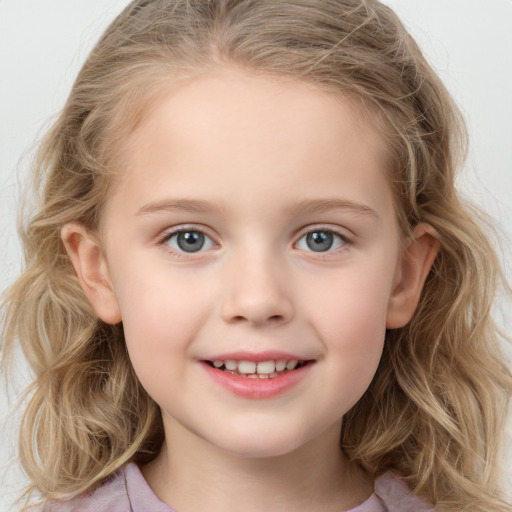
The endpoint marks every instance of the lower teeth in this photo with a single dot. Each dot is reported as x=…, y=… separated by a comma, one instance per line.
x=255, y=375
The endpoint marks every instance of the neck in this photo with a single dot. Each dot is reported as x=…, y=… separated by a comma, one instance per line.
x=192, y=475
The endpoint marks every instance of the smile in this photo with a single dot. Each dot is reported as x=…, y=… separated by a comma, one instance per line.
x=260, y=379
x=257, y=370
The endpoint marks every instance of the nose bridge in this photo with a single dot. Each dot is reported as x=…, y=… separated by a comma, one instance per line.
x=255, y=286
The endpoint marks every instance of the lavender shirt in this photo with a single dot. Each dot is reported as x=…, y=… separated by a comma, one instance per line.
x=127, y=491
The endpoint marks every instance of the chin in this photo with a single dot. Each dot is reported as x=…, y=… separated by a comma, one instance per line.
x=260, y=445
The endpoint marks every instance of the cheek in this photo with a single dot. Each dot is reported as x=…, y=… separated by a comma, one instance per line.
x=356, y=342
x=353, y=301
x=160, y=322
x=351, y=323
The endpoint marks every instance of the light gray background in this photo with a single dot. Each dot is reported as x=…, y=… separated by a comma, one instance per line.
x=43, y=43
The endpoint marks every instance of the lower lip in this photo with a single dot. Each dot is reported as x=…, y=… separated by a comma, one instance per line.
x=258, y=389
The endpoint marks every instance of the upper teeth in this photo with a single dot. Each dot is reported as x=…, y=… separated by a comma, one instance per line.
x=262, y=367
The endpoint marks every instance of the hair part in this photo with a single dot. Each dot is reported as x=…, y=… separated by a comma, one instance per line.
x=436, y=406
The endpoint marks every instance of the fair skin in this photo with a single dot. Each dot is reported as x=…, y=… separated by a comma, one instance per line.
x=253, y=221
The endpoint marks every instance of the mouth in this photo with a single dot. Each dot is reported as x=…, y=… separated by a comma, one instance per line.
x=258, y=370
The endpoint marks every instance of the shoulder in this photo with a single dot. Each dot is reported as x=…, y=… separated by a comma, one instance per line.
x=125, y=491
x=393, y=491
x=111, y=496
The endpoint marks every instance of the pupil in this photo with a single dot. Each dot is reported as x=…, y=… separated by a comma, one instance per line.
x=190, y=241
x=319, y=241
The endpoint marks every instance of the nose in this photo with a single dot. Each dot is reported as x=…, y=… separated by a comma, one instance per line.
x=256, y=292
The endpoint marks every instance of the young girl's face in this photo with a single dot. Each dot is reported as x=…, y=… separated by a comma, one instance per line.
x=253, y=223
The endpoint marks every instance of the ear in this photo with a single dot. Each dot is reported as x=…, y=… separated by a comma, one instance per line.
x=416, y=261
x=84, y=250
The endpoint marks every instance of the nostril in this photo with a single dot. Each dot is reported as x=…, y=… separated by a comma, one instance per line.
x=256, y=309
x=270, y=319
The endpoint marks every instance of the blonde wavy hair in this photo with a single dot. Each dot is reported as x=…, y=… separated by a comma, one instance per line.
x=436, y=406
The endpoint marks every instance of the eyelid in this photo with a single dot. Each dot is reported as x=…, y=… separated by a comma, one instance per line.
x=168, y=232
x=344, y=233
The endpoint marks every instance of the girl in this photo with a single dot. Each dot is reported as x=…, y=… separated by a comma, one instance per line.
x=250, y=281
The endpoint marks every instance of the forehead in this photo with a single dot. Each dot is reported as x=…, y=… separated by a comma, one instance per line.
x=238, y=133
x=234, y=99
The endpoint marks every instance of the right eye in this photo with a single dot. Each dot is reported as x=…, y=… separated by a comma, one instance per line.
x=189, y=241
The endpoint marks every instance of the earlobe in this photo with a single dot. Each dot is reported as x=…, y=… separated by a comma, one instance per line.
x=84, y=250
x=416, y=262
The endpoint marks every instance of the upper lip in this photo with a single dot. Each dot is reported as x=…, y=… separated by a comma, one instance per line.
x=267, y=355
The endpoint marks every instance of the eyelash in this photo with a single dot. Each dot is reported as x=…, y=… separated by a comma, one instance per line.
x=164, y=241
x=345, y=241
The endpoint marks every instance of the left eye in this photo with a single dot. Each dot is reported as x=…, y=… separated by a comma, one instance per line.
x=321, y=241
x=189, y=241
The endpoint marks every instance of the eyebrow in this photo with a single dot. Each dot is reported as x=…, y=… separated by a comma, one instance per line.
x=179, y=205
x=328, y=205
x=306, y=206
